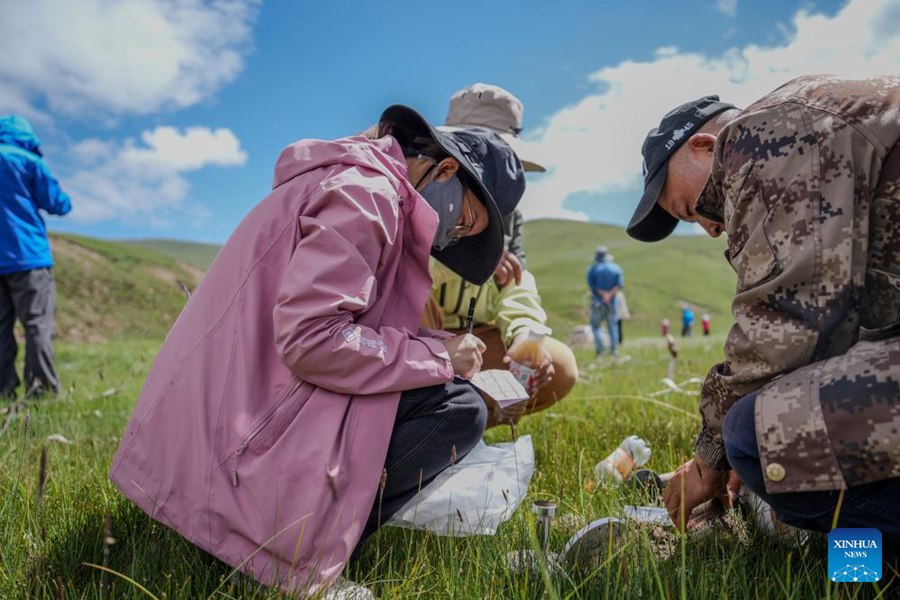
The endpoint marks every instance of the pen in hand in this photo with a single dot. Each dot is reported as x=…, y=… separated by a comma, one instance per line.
x=470, y=318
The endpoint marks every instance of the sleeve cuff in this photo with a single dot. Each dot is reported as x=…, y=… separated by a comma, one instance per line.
x=442, y=359
x=437, y=334
x=711, y=449
x=524, y=325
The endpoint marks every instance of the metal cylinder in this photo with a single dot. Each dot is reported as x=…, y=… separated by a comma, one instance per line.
x=544, y=509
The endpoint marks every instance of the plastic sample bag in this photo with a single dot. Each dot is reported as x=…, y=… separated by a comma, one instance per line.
x=476, y=494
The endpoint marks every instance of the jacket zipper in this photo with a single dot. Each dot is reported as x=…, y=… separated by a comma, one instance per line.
x=280, y=409
x=462, y=321
x=459, y=298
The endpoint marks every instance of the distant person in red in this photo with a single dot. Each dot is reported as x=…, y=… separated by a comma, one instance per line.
x=704, y=322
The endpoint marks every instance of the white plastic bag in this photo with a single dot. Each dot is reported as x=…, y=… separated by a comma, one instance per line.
x=476, y=494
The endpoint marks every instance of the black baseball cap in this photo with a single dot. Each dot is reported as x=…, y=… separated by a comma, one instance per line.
x=650, y=222
x=488, y=163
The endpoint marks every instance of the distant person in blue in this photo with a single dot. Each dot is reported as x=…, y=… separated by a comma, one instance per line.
x=27, y=289
x=687, y=320
x=605, y=279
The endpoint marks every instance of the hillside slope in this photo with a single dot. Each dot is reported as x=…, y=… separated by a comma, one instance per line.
x=193, y=253
x=108, y=290
x=114, y=288
x=659, y=277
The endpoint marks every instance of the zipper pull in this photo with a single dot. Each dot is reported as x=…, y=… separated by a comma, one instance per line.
x=234, y=461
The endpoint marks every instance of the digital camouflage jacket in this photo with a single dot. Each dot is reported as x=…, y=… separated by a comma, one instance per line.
x=807, y=184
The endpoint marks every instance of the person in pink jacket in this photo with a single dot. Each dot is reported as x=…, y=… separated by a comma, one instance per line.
x=296, y=376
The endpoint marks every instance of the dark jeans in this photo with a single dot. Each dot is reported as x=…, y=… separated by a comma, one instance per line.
x=430, y=423
x=871, y=505
x=29, y=296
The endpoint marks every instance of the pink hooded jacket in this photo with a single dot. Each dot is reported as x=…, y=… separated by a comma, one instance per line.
x=261, y=432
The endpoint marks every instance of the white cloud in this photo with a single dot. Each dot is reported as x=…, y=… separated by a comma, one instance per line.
x=129, y=181
x=122, y=56
x=99, y=59
x=198, y=147
x=593, y=146
x=727, y=7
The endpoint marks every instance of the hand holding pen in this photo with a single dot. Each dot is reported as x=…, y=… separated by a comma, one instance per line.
x=470, y=318
x=465, y=350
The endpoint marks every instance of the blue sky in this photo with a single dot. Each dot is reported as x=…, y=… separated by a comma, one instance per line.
x=164, y=119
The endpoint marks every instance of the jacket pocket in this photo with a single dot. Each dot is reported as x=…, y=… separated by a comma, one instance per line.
x=749, y=251
x=754, y=267
x=267, y=429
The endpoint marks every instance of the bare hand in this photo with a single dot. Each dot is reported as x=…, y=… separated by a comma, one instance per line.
x=692, y=484
x=543, y=371
x=509, y=268
x=734, y=486
x=465, y=354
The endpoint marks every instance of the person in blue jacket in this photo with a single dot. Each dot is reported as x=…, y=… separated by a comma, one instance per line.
x=605, y=280
x=27, y=289
x=687, y=320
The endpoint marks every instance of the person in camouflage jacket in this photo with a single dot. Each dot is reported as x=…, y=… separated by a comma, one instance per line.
x=806, y=406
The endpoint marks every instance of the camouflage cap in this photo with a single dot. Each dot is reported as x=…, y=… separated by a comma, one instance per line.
x=650, y=222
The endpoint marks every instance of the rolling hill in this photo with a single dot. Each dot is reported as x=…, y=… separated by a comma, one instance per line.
x=193, y=253
x=109, y=290
x=134, y=289
x=659, y=277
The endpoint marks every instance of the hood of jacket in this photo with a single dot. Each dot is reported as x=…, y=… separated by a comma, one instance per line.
x=383, y=155
x=17, y=131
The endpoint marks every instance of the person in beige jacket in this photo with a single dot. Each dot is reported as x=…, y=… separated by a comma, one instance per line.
x=508, y=306
x=504, y=315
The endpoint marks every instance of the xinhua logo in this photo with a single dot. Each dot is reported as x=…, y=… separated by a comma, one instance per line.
x=854, y=555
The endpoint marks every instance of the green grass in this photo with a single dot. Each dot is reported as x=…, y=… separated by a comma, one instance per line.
x=107, y=290
x=48, y=541
x=193, y=253
x=117, y=301
x=659, y=278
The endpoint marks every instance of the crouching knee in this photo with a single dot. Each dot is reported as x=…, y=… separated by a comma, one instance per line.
x=739, y=435
x=565, y=376
x=470, y=418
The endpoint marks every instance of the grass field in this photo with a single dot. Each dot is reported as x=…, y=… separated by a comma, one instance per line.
x=193, y=253
x=65, y=532
x=57, y=522
x=659, y=278
x=107, y=290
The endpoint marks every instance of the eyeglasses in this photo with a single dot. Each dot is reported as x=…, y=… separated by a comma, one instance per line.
x=468, y=222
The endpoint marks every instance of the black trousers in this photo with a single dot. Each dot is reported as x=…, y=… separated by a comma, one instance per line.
x=30, y=297
x=431, y=422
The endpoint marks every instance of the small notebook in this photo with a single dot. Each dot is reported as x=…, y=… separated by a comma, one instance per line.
x=501, y=385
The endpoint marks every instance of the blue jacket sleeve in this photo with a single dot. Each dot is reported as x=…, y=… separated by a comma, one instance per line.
x=46, y=191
